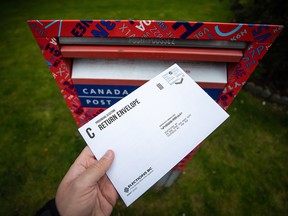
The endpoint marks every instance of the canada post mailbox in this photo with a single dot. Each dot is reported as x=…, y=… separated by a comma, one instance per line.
x=97, y=62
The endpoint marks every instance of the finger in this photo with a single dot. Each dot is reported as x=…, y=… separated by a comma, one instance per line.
x=108, y=187
x=98, y=169
x=81, y=163
x=86, y=153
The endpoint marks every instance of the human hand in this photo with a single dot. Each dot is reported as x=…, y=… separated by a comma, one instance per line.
x=86, y=189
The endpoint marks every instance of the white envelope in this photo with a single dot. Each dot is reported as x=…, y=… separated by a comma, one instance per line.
x=152, y=129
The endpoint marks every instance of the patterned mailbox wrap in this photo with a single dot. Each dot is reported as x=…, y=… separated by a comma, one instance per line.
x=259, y=38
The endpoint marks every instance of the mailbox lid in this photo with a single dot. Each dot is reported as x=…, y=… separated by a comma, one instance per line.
x=142, y=52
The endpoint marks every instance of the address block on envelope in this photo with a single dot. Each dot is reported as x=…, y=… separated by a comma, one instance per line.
x=152, y=129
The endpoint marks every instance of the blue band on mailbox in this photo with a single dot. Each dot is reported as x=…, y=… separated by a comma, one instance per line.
x=104, y=96
x=213, y=92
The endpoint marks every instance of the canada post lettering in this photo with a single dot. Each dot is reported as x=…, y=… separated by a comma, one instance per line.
x=102, y=96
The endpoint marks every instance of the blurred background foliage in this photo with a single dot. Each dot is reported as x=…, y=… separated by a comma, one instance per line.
x=272, y=72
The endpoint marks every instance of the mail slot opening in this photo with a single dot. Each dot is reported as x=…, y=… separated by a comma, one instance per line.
x=166, y=42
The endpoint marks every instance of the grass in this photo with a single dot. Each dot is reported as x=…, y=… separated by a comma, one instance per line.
x=240, y=169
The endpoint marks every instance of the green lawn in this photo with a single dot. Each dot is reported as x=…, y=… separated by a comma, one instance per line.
x=241, y=169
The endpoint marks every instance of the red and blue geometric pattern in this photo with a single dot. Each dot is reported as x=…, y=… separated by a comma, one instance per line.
x=258, y=37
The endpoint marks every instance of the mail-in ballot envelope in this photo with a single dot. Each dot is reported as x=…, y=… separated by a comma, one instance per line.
x=152, y=129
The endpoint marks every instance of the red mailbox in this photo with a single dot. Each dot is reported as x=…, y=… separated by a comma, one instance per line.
x=98, y=62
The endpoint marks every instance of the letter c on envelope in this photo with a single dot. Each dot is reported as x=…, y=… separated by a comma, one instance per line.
x=90, y=133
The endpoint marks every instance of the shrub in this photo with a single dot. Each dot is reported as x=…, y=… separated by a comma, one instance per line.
x=272, y=72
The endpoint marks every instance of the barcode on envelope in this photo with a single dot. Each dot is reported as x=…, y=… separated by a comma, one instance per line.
x=160, y=86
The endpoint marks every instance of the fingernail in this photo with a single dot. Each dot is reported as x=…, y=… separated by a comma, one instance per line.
x=108, y=154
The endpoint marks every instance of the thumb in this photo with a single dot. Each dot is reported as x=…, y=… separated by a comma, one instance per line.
x=92, y=175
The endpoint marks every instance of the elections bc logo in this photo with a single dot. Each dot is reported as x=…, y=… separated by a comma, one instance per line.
x=132, y=186
x=126, y=189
